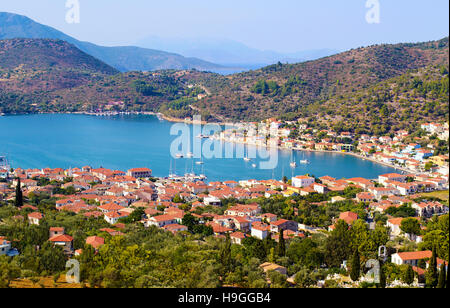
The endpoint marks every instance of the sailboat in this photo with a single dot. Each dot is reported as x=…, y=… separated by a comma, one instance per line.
x=304, y=161
x=172, y=174
x=293, y=164
x=246, y=158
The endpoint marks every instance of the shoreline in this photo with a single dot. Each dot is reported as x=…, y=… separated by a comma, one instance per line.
x=406, y=170
x=191, y=122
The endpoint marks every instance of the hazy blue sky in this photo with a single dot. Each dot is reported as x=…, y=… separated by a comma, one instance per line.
x=281, y=25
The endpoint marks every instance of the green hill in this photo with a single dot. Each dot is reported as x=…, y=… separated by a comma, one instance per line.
x=287, y=89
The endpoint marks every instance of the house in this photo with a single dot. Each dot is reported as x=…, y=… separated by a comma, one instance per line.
x=175, y=228
x=348, y=217
x=242, y=210
x=365, y=197
x=95, y=241
x=380, y=192
x=35, y=218
x=5, y=246
x=269, y=217
x=211, y=200
x=64, y=241
x=237, y=237
x=320, y=188
x=140, y=173
x=394, y=225
x=161, y=221
x=283, y=224
x=260, y=230
x=391, y=177
x=267, y=267
x=302, y=181
x=114, y=216
x=411, y=258
x=428, y=209
x=54, y=231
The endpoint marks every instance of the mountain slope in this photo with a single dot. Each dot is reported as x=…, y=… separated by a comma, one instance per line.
x=282, y=89
x=122, y=58
x=47, y=75
x=29, y=65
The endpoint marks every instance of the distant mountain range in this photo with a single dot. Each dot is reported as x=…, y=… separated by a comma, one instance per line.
x=127, y=58
x=219, y=56
x=230, y=53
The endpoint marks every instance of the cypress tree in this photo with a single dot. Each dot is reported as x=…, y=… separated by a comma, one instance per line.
x=442, y=274
x=382, y=283
x=356, y=266
x=281, y=248
x=225, y=255
x=432, y=275
x=409, y=275
x=18, y=201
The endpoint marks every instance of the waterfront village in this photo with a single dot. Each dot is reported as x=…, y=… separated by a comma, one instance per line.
x=425, y=151
x=403, y=203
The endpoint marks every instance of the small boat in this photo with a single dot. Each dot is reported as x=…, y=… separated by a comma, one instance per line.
x=199, y=162
x=293, y=164
x=190, y=154
x=304, y=162
x=247, y=159
x=179, y=155
x=254, y=165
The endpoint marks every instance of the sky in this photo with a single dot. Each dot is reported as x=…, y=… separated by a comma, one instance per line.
x=281, y=25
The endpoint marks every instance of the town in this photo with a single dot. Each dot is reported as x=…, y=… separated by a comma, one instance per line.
x=406, y=210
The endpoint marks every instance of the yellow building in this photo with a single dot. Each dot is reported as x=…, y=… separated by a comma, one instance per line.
x=440, y=160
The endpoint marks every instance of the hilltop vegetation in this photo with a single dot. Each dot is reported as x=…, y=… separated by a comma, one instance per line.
x=282, y=89
x=33, y=66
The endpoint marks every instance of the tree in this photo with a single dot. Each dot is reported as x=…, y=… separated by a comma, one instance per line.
x=303, y=278
x=409, y=275
x=8, y=272
x=442, y=274
x=338, y=245
x=382, y=283
x=432, y=274
x=225, y=255
x=356, y=266
x=281, y=247
x=18, y=201
x=410, y=226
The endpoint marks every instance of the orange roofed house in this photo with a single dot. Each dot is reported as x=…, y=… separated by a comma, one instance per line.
x=140, y=173
x=412, y=258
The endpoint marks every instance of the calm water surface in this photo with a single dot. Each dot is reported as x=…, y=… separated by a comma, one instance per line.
x=124, y=142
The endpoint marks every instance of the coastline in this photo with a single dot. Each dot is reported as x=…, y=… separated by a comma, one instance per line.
x=406, y=170
x=191, y=122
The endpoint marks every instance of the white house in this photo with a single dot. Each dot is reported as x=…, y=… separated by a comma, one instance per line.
x=302, y=181
x=114, y=216
x=211, y=200
x=161, y=221
x=5, y=246
x=260, y=230
x=411, y=258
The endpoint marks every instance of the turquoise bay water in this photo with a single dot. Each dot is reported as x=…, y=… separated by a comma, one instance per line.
x=124, y=142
